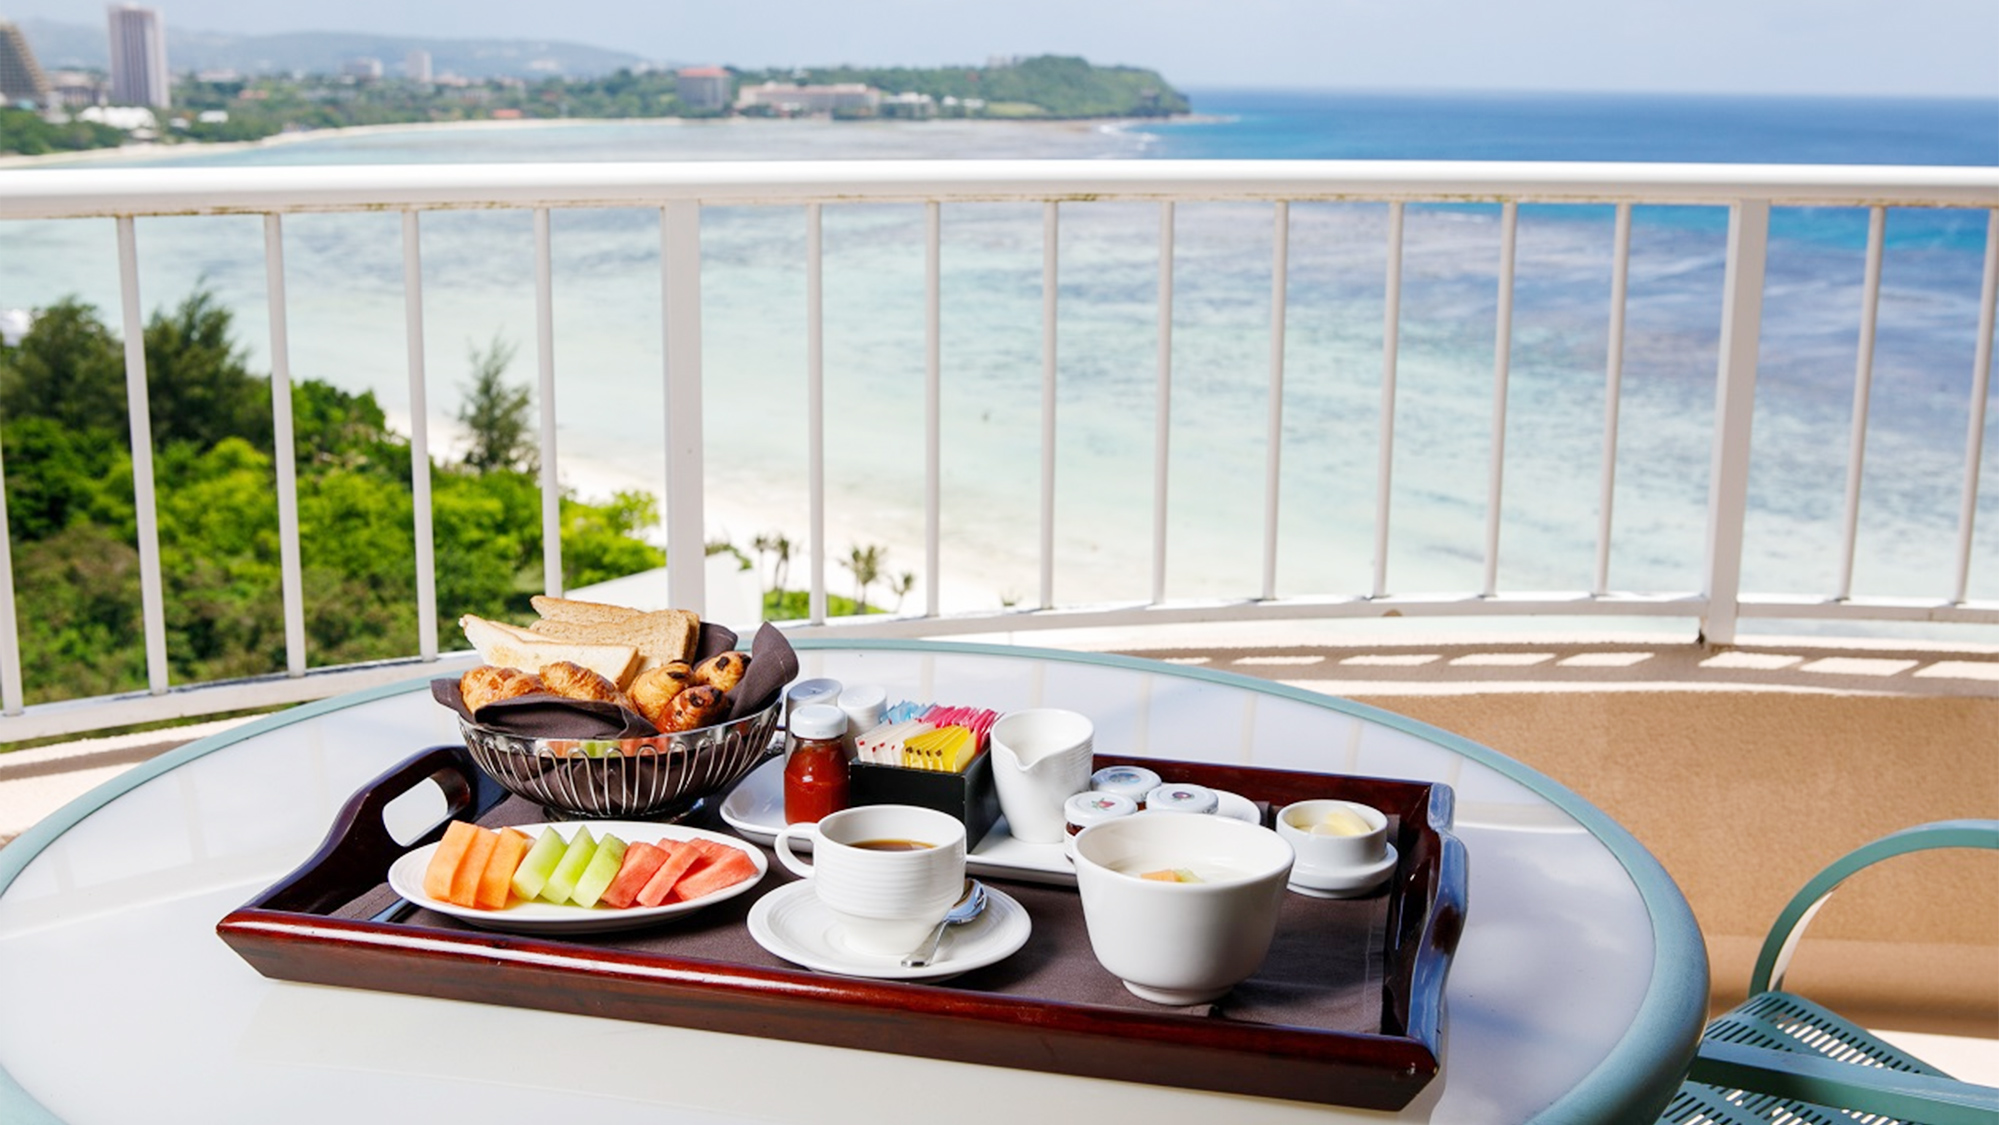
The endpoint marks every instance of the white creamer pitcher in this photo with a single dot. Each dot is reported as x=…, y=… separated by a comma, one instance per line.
x=1040, y=758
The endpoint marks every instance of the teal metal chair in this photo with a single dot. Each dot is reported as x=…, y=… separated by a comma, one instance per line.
x=1779, y=1058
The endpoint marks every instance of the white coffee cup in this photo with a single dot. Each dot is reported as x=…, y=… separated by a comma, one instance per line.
x=1041, y=757
x=885, y=901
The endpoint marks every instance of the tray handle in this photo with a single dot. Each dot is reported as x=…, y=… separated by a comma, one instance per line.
x=1442, y=927
x=358, y=848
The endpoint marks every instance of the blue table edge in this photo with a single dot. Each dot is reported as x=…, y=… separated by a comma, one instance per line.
x=1636, y=1077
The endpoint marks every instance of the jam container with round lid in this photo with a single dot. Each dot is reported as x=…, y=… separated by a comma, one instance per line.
x=1084, y=809
x=1133, y=782
x=1180, y=797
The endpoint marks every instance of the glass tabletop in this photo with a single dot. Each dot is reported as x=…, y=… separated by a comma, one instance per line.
x=1579, y=983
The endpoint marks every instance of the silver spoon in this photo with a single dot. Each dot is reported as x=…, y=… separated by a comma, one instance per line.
x=968, y=908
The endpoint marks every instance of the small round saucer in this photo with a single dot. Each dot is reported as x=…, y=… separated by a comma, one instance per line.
x=1344, y=882
x=792, y=923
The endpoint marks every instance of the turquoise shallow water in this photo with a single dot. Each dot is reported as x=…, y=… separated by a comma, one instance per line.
x=344, y=275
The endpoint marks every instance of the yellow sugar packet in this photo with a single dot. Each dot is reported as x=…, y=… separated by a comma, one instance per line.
x=946, y=749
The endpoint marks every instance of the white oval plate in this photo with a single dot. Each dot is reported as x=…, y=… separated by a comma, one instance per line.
x=537, y=917
x=755, y=807
x=793, y=924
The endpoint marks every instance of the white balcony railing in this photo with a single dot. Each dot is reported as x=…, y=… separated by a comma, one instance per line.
x=680, y=193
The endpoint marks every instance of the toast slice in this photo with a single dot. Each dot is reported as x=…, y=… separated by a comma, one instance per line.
x=661, y=636
x=509, y=647
x=585, y=613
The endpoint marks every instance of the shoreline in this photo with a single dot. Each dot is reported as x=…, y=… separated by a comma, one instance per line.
x=155, y=150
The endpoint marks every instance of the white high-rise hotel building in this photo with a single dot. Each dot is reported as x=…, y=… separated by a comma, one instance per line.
x=138, y=56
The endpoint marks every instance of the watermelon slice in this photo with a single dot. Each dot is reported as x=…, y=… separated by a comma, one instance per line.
x=641, y=861
x=498, y=877
x=603, y=868
x=458, y=836
x=680, y=860
x=727, y=871
x=465, y=879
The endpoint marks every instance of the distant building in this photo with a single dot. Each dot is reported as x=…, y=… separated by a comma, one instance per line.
x=21, y=77
x=369, y=69
x=788, y=98
x=703, y=87
x=75, y=89
x=912, y=105
x=138, y=56
x=416, y=66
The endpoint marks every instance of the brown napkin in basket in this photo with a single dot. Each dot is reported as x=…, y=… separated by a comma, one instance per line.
x=773, y=664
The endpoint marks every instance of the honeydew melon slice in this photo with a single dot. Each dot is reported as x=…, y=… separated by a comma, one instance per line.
x=532, y=875
x=603, y=868
x=562, y=881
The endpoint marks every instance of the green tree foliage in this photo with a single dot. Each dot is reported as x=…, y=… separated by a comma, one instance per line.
x=198, y=387
x=1048, y=86
x=23, y=131
x=1056, y=85
x=496, y=413
x=601, y=541
x=68, y=369
x=73, y=525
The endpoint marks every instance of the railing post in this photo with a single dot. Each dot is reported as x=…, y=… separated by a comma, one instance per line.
x=284, y=447
x=1981, y=388
x=1734, y=408
x=544, y=335
x=11, y=702
x=680, y=294
x=152, y=597
x=426, y=557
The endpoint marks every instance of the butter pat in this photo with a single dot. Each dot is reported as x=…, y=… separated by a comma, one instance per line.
x=1341, y=822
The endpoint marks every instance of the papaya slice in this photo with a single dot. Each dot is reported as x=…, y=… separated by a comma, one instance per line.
x=497, y=878
x=443, y=867
x=472, y=867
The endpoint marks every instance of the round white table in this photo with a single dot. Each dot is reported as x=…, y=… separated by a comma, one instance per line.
x=1577, y=992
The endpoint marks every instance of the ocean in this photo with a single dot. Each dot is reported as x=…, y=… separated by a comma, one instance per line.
x=344, y=279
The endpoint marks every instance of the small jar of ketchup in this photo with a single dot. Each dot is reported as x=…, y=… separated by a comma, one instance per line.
x=815, y=776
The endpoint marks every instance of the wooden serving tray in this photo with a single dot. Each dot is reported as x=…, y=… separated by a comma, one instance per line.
x=705, y=973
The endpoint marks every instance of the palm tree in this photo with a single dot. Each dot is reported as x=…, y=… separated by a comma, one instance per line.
x=866, y=564
x=901, y=587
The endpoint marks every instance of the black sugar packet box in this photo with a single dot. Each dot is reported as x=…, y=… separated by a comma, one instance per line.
x=969, y=796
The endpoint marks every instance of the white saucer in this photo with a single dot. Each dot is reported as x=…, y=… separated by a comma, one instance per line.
x=1344, y=882
x=755, y=808
x=793, y=924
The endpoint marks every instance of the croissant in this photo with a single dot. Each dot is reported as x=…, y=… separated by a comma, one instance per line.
x=574, y=681
x=698, y=706
x=723, y=670
x=656, y=687
x=490, y=683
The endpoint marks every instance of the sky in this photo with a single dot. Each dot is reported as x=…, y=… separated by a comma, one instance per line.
x=1870, y=47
